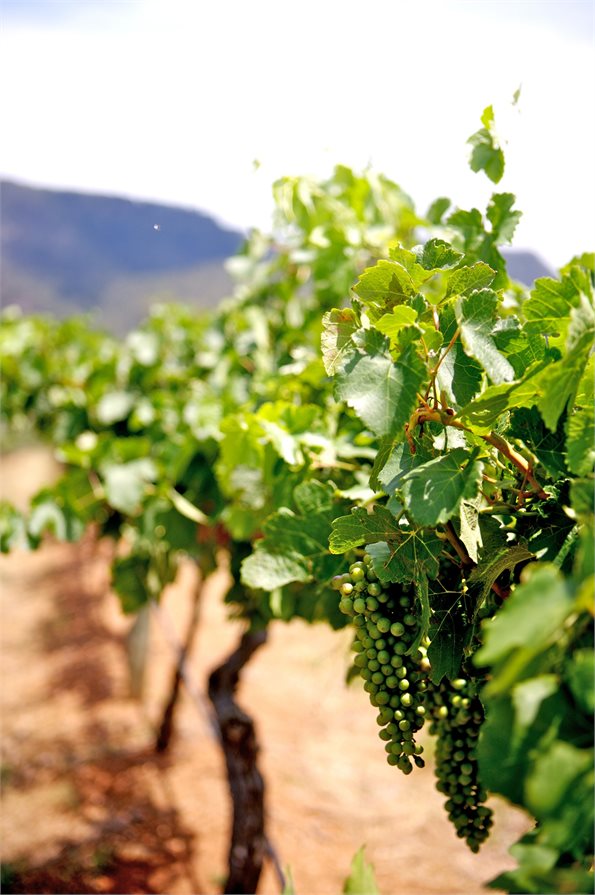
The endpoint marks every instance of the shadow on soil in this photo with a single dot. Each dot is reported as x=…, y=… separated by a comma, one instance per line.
x=135, y=840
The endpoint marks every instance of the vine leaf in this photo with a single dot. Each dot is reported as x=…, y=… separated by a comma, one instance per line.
x=361, y=527
x=476, y=316
x=546, y=310
x=532, y=615
x=469, y=527
x=459, y=376
x=433, y=492
x=482, y=414
x=126, y=483
x=382, y=393
x=553, y=776
x=447, y=641
x=527, y=425
x=465, y=280
x=407, y=556
x=337, y=346
x=436, y=254
x=383, y=286
x=486, y=154
x=271, y=570
x=295, y=544
x=560, y=380
x=503, y=219
x=361, y=878
x=580, y=426
x=130, y=581
x=392, y=324
x=488, y=571
x=395, y=460
x=423, y=597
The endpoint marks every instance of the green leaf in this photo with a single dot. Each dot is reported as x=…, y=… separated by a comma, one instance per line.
x=383, y=286
x=518, y=724
x=482, y=414
x=49, y=515
x=395, y=461
x=314, y=498
x=295, y=545
x=529, y=620
x=503, y=219
x=129, y=580
x=422, y=595
x=547, y=309
x=337, y=346
x=13, y=530
x=407, y=556
x=527, y=425
x=447, y=640
x=113, y=407
x=476, y=316
x=470, y=225
x=581, y=678
x=392, y=324
x=561, y=380
x=126, y=483
x=382, y=393
x=460, y=376
x=361, y=527
x=436, y=254
x=494, y=564
x=580, y=427
x=433, y=492
x=268, y=571
x=469, y=527
x=521, y=349
x=361, y=880
x=527, y=699
x=409, y=260
x=288, y=888
x=437, y=210
x=486, y=154
x=553, y=775
x=500, y=767
x=465, y=280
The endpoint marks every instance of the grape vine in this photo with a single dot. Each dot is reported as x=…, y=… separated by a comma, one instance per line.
x=381, y=429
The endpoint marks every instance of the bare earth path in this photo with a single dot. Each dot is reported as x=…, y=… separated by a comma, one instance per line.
x=89, y=807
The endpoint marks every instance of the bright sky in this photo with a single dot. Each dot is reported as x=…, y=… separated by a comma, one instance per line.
x=173, y=100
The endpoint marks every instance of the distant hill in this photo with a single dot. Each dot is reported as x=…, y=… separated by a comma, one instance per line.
x=526, y=266
x=65, y=252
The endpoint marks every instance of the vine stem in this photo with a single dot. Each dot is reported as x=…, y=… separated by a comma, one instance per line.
x=457, y=545
x=166, y=727
x=248, y=845
x=519, y=461
x=444, y=353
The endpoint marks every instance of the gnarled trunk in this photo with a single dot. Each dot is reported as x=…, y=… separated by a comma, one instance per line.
x=248, y=844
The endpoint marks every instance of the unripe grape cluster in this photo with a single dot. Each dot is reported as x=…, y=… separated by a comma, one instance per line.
x=396, y=682
x=456, y=718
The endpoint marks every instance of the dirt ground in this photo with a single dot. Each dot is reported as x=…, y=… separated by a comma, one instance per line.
x=89, y=807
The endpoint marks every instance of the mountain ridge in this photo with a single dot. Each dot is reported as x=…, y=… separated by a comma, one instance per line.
x=73, y=245
x=64, y=252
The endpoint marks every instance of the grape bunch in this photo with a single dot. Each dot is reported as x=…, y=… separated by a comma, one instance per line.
x=396, y=682
x=456, y=717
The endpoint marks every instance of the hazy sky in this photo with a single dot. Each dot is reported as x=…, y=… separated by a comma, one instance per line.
x=173, y=100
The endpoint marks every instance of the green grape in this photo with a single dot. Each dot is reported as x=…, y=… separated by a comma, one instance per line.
x=456, y=721
x=386, y=626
